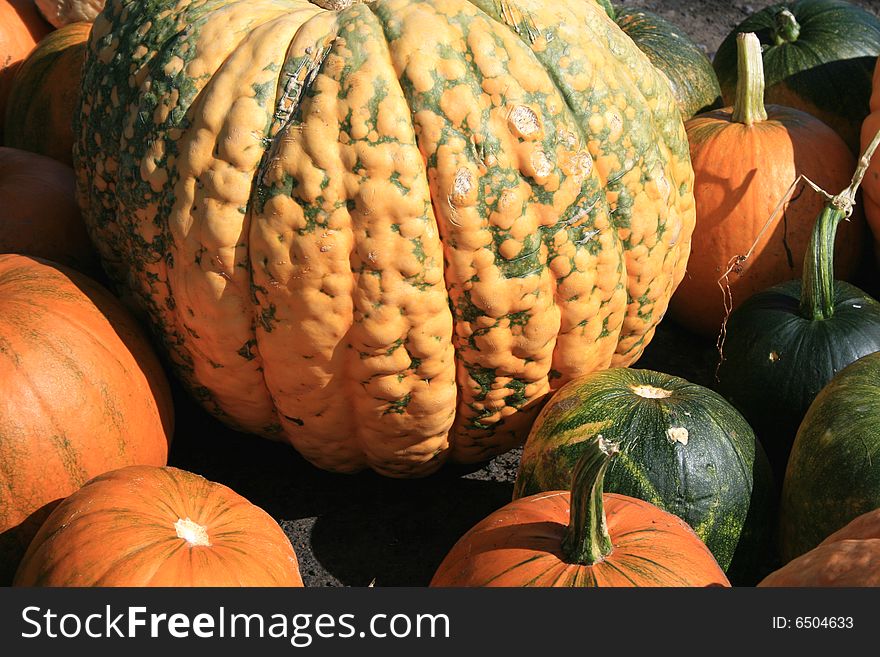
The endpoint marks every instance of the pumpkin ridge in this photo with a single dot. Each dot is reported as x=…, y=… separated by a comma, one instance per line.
x=579, y=233
x=514, y=567
x=275, y=130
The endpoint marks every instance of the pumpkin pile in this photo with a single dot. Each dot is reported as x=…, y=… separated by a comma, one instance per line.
x=406, y=233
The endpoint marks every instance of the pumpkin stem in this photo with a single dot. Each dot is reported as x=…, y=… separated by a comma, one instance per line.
x=748, y=107
x=586, y=539
x=786, y=28
x=817, y=286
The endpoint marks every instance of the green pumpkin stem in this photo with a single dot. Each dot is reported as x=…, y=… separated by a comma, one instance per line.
x=586, y=539
x=748, y=107
x=786, y=28
x=817, y=286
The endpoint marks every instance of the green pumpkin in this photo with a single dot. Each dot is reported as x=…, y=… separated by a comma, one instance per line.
x=683, y=449
x=688, y=70
x=783, y=345
x=833, y=473
x=819, y=56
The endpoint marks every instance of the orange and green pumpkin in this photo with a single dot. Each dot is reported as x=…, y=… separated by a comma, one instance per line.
x=683, y=448
x=81, y=393
x=44, y=94
x=581, y=538
x=833, y=474
x=383, y=232
x=688, y=70
x=158, y=526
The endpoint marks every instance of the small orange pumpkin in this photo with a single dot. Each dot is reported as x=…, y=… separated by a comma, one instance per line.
x=81, y=393
x=39, y=215
x=581, y=539
x=745, y=158
x=849, y=557
x=158, y=526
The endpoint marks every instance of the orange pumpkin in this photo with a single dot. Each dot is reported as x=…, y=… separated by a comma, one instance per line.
x=45, y=91
x=152, y=526
x=38, y=211
x=582, y=538
x=21, y=26
x=81, y=393
x=849, y=557
x=745, y=158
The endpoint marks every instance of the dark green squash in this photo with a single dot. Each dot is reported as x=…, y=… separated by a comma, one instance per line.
x=683, y=449
x=819, y=57
x=690, y=73
x=783, y=345
x=833, y=474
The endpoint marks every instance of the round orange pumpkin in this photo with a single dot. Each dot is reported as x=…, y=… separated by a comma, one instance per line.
x=158, y=526
x=81, y=393
x=21, y=27
x=39, y=215
x=745, y=158
x=849, y=557
x=581, y=538
x=45, y=91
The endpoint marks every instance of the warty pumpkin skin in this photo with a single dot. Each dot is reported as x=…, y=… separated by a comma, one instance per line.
x=21, y=27
x=39, y=215
x=849, y=557
x=64, y=12
x=683, y=448
x=384, y=233
x=158, y=526
x=44, y=95
x=687, y=69
x=81, y=393
x=580, y=538
x=745, y=158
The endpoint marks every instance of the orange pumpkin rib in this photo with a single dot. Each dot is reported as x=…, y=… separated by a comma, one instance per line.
x=44, y=94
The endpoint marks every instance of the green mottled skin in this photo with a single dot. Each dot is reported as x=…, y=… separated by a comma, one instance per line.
x=718, y=482
x=689, y=71
x=833, y=474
